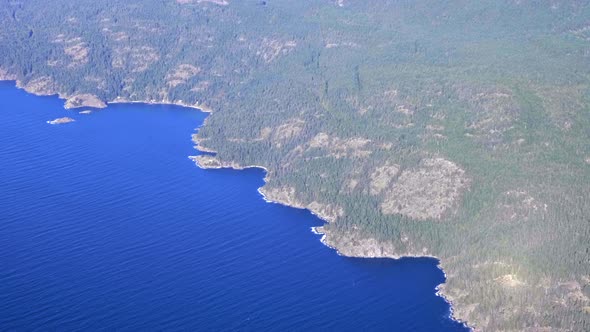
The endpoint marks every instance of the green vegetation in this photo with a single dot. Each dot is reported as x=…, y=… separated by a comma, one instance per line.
x=458, y=129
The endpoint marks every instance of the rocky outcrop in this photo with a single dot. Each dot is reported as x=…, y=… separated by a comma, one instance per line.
x=426, y=192
x=42, y=86
x=351, y=244
x=5, y=75
x=84, y=100
x=287, y=196
x=61, y=121
x=382, y=177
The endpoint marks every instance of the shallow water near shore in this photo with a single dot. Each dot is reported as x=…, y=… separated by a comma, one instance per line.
x=105, y=224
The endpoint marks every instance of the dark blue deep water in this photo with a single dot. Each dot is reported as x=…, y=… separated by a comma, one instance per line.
x=105, y=224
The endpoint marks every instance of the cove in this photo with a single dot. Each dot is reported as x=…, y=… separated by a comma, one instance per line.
x=105, y=224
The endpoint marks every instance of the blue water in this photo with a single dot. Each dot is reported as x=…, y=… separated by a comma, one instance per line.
x=105, y=224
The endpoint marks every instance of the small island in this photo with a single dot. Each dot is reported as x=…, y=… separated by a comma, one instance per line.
x=61, y=120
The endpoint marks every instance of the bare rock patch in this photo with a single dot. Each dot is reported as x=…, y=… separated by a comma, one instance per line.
x=337, y=147
x=269, y=49
x=78, y=52
x=61, y=121
x=84, y=100
x=518, y=206
x=5, y=75
x=137, y=59
x=42, y=86
x=287, y=195
x=426, y=192
x=382, y=177
x=491, y=114
x=285, y=132
x=181, y=74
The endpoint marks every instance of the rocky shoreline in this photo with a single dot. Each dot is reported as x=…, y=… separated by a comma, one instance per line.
x=211, y=162
x=378, y=249
x=44, y=86
x=201, y=107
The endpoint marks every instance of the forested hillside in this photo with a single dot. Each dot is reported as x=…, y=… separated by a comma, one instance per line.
x=457, y=129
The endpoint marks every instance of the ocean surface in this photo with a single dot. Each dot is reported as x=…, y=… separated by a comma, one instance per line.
x=105, y=224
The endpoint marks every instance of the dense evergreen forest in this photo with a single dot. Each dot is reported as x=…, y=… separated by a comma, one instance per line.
x=457, y=129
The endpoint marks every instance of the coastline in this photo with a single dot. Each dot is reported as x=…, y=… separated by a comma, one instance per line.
x=4, y=76
x=44, y=90
x=318, y=230
x=200, y=107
